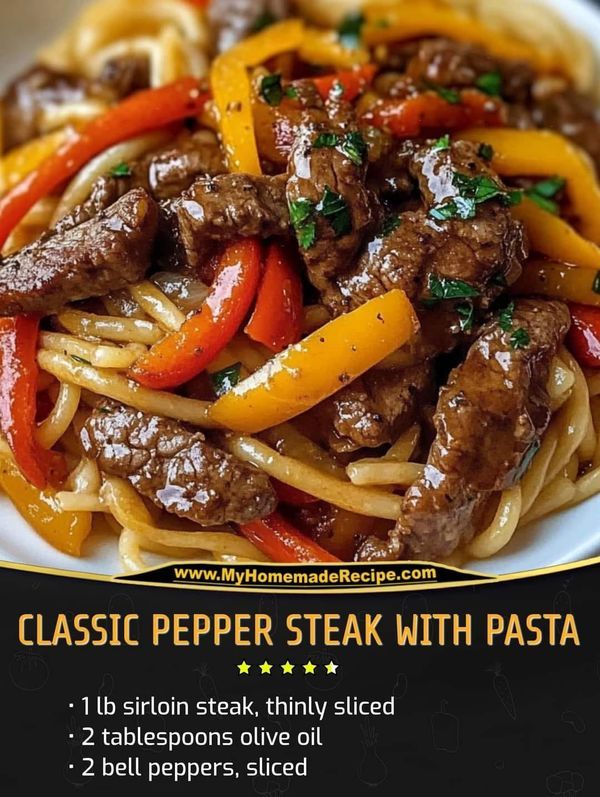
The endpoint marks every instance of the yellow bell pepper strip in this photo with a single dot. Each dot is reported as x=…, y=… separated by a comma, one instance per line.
x=569, y=283
x=320, y=365
x=323, y=48
x=385, y=25
x=20, y=162
x=520, y=153
x=552, y=236
x=232, y=90
x=66, y=531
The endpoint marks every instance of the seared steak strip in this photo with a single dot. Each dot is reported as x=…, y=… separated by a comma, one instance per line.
x=107, y=253
x=489, y=421
x=233, y=20
x=176, y=468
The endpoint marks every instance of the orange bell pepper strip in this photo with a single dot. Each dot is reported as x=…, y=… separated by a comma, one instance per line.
x=542, y=153
x=278, y=315
x=409, y=117
x=583, y=339
x=385, y=25
x=569, y=283
x=139, y=113
x=186, y=353
x=232, y=90
x=304, y=374
x=65, y=531
x=281, y=542
x=18, y=408
x=552, y=236
x=352, y=81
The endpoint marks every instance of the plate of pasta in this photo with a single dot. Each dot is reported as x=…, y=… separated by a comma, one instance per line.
x=300, y=282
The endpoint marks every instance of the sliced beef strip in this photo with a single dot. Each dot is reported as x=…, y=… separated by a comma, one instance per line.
x=373, y=410
x=232, y=20
x=447, y=63
x=312, y=172
x=165, y=173
x=220, y=208
x=476, y=251
x=125, y=74
x=489, y=420
x=176, y=468
x=107, y=253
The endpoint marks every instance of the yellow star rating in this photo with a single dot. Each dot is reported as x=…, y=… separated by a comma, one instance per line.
x=309, y=668
x=331, y=668
x=287, y=668
x=244, y=668
x=265, y=668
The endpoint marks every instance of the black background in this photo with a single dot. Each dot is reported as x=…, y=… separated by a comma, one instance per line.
x=452, y=734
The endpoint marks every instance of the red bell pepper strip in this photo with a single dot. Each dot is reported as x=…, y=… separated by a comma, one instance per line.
x=409, y=117
x=140, y=113
x=18, y=393
x=281, y=542
x=353, y=81
x=186, y=353
x=584, y=336
x=277, y=318
x=292, y=496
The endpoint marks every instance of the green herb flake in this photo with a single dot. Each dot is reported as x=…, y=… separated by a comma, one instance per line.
x=442, y=143
x=326, y=140
x=450, y=95
x=458, y=208
x=466, y=314
x=505, y=317
x=382, y=23
x=225, y=380
x=80, y=360
x=500, y=280
x=354, y=147
x=544, y=192
x=350, y=30
x=390, y=225
x=265, y=20
x=486, y=152
x=443, y=288
x=337, y=90
x=292, y=92
x=335, y=209
x=122, y=170
x=271, y=89
x=105, y=410
x=490, y=83
x=596, y=283
x=520, y=339
x=545, y=204
x=302, y=213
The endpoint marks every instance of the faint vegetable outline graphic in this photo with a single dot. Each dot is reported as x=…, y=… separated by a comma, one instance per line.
x=28, y=671
x=206, y=683
x=573, y=719
x=503, y=690
x=372, y=769
x=565, y=783
x=445, y=730
x=270, y=786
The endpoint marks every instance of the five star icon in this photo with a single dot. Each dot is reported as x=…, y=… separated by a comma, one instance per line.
x=309, y=668
x=244, y=668
x=265, y=668
x=287, y=668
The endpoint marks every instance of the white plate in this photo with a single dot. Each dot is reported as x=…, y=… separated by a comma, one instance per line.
x=568, y=537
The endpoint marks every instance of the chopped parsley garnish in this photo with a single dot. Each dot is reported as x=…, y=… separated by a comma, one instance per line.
x=520, y=338
x=122, y=170
x=450, y=95
x=292, y=92
x=443, y=288
x=490, y=83
x=473, y=191
x=350, y=30
x=486, y=152
x=390, y=224
x=302, y=212
x=80, y=360
x=225, y=380
x=271, y=89
x=337, y=90
x=505, y=317
x=104, y=410
x=596, y=283
x=335, y=209
x=264, y=21
x=352, y=145
x=442, y=143
x=466, y=314
x=544, y=192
